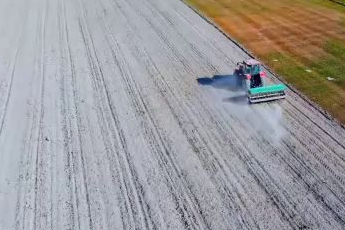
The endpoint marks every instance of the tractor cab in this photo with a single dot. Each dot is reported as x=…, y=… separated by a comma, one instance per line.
x=252, y=70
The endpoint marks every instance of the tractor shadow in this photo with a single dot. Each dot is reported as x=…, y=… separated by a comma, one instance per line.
x=228, y=82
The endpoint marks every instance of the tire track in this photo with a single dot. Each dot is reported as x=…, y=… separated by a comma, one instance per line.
x=317, y=125
x=39, y=181
x=133, y=178
x=23, y=196
x=68, y=106
x=13, y=69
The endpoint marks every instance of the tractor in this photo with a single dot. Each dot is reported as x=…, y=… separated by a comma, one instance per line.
x=253, y=79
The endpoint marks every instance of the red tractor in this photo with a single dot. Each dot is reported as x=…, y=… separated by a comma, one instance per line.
x=253, y=78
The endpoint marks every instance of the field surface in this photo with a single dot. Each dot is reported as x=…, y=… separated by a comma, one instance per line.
x=302, y=40
x=111, y=118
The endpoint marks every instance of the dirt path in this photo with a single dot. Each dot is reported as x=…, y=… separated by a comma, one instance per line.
x=103, y=125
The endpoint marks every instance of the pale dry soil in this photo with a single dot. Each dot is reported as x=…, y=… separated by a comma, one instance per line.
x=103, y=125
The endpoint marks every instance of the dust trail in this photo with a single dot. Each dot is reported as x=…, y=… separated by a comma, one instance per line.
x=272, y=118
x=264, y=118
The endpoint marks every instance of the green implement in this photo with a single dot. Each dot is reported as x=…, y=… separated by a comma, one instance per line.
x=268, y=89
x=266, y=93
